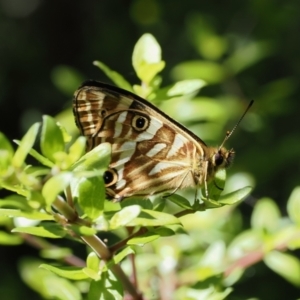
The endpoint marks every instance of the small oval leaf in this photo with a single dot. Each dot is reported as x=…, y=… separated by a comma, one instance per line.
x=124, y=216
x=55, y=185
x=52, y=140
x=25, y=145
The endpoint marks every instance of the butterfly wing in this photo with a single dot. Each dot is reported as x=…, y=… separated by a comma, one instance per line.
x=150, y=152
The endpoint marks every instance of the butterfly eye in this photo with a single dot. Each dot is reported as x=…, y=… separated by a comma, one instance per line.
x=140, y=123
x=110, y=177
x=102, y=113
x=219, y=158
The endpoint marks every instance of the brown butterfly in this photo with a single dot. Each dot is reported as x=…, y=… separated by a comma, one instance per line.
x=151, y=153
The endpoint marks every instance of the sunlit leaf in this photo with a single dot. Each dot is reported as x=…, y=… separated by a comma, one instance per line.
x=91, y=196
x=248, y=54
x=52, y=140
x=6, y=153
x=74, y=273
x=293, y=205
x=121, y=255
x=210, y=72
x=285, y=265
x=93, y=261
x=266, y=215
x=115, y=77
x=66, y=78
x=5, y=144
x=91, y=273
x=9, y=239
x=55, y=185
x=32, y=215
x=42, y=159
x=146, y=58
x=47, y=284
x=77, y=149
x=125, y=216
x=82, y=230
x=153, y=218
x=203, y=36
x=56, y=253
x=180, y=201
x=235, y=197
x=107, y=288
x=141, y=240
x=49, y=230
x=214, y=188
x=25, y=145
x=96, y=159
x=185, y=88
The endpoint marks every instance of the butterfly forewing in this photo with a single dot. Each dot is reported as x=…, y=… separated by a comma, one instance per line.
x=151, y=153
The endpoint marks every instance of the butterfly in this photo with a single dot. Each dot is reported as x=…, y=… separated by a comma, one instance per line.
x=151, y=152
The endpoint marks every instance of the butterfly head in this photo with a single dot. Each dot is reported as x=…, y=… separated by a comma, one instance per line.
x=222, y=158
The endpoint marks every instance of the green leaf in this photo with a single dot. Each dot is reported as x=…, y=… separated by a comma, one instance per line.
x=143, y=239
x=107, y=288
x=189, y=111
x=32, y=215
x=6, y=145
x=96, y=159
x=205, y=293
x=73, y=273
x=124, y=216
x=56, y=253
x=293, y=205
x=91, y=196
x=165, y=231
x=180, y=201
x=121, y=255
x=210, y=72
x=46, y=283
x=52, y=140
x=77, y=149
x=82, y=230
x=248, y=55
x=66, y=78
x=214, y=188
x=93, y=262
x=143, y=203
x=285, y=265
x=15, y=201
x=25, y=145
x=153, y=218
x=266, y=215
x=42, y=159
x=19, y=189
x=204, y=38
x=6, y=154
x=49, y=230
x=117, y=78
x=186, y=88
x=146, y=58
x=160, y=205
x=235, y=196
x=214, y=255
x=246, y=242
x=91, y=273
x=9, y=239
x=55, y=185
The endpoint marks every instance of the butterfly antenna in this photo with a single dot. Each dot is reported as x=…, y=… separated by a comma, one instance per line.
x=229, y=133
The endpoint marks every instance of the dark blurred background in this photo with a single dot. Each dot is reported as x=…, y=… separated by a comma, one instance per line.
x=43, y=43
